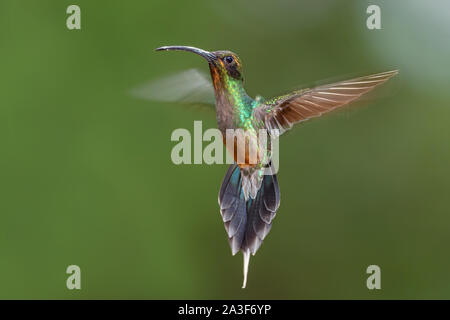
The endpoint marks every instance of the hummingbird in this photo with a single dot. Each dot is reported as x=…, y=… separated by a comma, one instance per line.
x=249, y=196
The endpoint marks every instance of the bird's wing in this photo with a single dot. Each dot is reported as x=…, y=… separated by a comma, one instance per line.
x=190, y=87
x=283, y=112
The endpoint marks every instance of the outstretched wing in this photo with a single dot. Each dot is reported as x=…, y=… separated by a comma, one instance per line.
x=188, y=87
x=283, y=112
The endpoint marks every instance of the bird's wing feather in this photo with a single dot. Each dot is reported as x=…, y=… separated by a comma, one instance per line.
x=190, y=87
x=283, y=112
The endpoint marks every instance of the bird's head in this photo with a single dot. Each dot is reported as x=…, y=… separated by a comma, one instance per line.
x=225, y=66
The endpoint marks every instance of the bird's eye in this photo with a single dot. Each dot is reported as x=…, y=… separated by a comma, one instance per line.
x=229, y=59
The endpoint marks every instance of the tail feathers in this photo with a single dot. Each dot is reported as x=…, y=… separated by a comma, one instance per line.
x=260, y=213
x=233, y=208
x=247, y=222
x=246, y=262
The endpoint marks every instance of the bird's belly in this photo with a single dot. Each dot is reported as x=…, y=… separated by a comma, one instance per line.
x=246, y=148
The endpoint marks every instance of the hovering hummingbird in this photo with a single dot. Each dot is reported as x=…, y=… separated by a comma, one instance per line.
x=249, y=198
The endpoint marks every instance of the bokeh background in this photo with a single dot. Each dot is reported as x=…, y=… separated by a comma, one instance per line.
x=86, y=176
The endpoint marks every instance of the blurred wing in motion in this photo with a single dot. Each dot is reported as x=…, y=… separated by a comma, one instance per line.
x=188, y=87
x=283, y=112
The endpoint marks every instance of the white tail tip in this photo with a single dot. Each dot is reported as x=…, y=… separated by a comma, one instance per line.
x=246, y=262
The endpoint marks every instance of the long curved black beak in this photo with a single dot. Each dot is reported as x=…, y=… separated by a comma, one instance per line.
x=209, y=56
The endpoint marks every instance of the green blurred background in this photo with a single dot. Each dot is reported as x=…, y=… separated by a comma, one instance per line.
x=86, y=176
